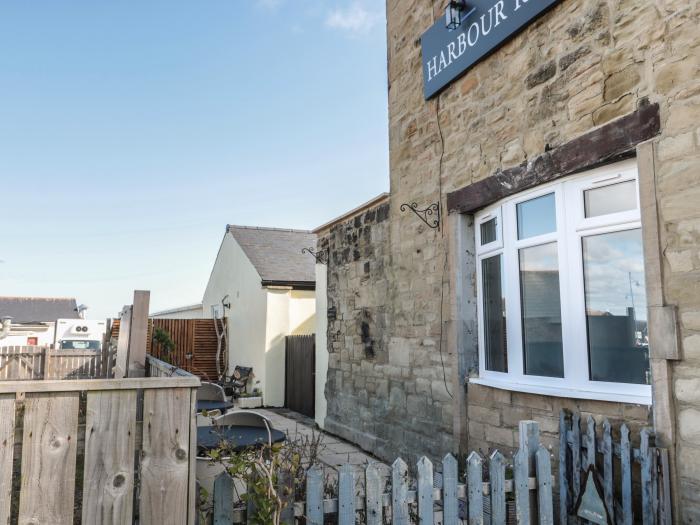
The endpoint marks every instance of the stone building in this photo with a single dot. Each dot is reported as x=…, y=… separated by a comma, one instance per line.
x=566, y=268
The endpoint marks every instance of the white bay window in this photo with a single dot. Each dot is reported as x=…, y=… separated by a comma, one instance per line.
x=560, y=286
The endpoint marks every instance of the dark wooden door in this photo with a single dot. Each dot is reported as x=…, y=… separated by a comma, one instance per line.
x=300, y=374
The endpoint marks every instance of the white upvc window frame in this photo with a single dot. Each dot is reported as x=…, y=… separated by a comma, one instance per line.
x=571, y=227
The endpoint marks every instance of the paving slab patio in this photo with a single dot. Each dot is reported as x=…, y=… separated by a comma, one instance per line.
x=334, y=453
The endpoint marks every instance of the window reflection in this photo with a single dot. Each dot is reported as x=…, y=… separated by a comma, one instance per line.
x=494, y=314
x=618, y=346
x=488, y=231
x=610, y=199
x=541, y=311
x=537, y=216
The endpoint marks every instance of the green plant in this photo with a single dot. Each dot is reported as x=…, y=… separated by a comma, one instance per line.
x=273, y=473
x=167, y=345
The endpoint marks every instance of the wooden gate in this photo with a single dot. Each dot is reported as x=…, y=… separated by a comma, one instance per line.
x=300, y=374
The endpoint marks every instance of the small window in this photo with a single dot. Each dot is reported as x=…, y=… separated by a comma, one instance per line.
x=614, y=198
x=488, y=231
x=562, y=304
x=537, y=216
x=494, y=314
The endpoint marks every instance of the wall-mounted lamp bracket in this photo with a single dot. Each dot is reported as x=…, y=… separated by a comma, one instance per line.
x=430, y=215
x=320, y=256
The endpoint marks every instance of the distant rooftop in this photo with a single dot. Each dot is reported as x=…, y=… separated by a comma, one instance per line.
x=276, y=253
x=38, y=309
x=379, y=199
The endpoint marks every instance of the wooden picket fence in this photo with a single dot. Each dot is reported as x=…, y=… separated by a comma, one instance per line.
x=131, y=444
x=428, y=499
x=41, y=362
x=622, y=468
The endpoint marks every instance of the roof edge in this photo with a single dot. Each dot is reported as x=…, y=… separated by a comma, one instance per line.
x=229, y=227
x=379, y=199
x=177, y=309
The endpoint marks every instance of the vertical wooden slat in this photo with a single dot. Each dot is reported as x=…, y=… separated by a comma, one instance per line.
x=497, y=474
x=108, y=477
x=544, y=487
x=450, y=508
x=223, y=499
x=165, y=457
x=563, y=467
x=314, y=496
x=193, y=491
x=665, y=513
x=529, y=440
x=399, y=490
x=474, y=489
x=521, y=485
x=7, y=445
x=49, y=447
x=608, y=469
x=646, y=459
x=286, y=493
x=425, y=491
x=590, y=442
x=373, y=495
x=626, y=475
x=346, y=496
x=576, y=454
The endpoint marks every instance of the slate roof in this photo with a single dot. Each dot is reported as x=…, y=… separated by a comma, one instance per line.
x=276, y=254
x=38, y=309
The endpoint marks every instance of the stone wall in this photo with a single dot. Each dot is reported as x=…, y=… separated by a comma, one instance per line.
x=383, y=396
x=582, y=65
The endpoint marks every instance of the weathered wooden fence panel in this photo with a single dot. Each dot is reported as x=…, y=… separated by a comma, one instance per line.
x=50, y=447
x=418, y=500
x=581, y=450
x=25, y=363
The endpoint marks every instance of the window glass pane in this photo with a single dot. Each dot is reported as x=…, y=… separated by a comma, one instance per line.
x=537, y=216
x=488, y=231
x=610, y=199
x=613, y=270
x=543, y=352
x=494, y=314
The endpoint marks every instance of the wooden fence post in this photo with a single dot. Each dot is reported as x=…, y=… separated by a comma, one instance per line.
x=475, y=494
x=522, y=486
x=373, y=495
x=563, y=467
x=450, y=508
x=544, y=486
x=529, y=440
x=314, y=496
x=425, y=491
x=399, y=489
x=626, y=475
x=346, y=496
x=497, y=476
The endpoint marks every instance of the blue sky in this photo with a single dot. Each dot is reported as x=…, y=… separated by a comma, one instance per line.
x=132, y=132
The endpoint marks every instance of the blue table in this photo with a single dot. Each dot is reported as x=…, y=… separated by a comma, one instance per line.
x=241, y=436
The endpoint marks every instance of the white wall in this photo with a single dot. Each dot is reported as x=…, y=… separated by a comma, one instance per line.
x=18, y=334
x=234, y=274
x=321, y=342
x=193, y=312
x=289, y=312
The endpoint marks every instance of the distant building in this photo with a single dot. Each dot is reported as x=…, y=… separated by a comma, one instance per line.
x=264, y=285
x=191, y=311
x=32, y=320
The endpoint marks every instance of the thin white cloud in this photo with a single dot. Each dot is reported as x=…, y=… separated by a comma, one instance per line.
x=354, y=19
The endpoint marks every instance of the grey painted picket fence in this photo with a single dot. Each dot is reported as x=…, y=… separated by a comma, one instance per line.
x=578, y=450
x=419, y=500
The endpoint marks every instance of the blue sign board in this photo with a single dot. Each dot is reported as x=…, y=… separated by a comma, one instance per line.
x=447, y=54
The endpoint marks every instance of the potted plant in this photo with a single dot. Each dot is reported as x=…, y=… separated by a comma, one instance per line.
x=251, y=399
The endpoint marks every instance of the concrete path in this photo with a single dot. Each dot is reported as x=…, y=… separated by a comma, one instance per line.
x=334, y=451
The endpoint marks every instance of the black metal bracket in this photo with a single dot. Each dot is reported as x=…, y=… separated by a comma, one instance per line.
x=425, y=215
x=320, y=257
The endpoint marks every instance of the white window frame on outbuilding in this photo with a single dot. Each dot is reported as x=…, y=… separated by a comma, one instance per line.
x=571, y=227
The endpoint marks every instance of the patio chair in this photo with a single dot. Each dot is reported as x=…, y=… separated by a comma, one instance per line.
x=246, y=418
x=210, y=392
x=236, y=384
